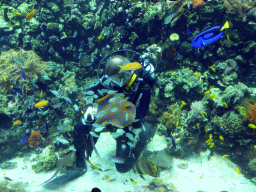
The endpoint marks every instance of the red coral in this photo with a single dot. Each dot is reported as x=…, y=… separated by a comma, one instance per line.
x=197, y=2
x=35, y=139
x=251, y=116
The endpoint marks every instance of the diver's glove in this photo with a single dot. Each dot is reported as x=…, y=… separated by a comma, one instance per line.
x=90, y=113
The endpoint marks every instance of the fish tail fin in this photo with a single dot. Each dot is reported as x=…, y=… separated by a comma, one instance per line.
x=121, y=68
x=225, y=26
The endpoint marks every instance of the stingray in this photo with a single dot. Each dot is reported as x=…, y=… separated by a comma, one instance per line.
x=66, y=161
x=116, y=111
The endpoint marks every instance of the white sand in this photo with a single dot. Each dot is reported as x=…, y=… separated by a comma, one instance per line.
x=218, y=174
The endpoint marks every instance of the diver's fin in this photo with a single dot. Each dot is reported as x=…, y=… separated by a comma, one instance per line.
x=54, y=175
x=225, y=26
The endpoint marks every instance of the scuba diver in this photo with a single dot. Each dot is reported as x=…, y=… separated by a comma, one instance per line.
x=136, y=85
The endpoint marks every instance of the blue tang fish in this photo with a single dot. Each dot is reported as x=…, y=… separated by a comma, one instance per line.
x=209, y=36
x=25, y=138
x=22, y=74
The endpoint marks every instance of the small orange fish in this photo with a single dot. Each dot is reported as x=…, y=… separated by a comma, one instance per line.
x=31, y=14
x=41, y=104
x=130, y=66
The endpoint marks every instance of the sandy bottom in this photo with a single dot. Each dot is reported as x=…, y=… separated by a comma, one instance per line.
x=209, y=176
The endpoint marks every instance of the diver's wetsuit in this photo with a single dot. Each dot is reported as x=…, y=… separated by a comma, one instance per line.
x=139, y=94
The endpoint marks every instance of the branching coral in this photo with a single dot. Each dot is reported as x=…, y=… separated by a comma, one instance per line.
x=251, y=116
x=11, y=63
x=242, y=8
x=35, y=139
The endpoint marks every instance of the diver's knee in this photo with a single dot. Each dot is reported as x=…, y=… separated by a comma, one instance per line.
x=80, y=128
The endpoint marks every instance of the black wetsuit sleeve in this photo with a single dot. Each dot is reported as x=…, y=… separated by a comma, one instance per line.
x=142, y=104
x=144, y=94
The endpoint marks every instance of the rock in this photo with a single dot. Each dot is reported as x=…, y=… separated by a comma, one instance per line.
x=4, y=26
x=54, y=27
x=252, y=165
x=54, y=8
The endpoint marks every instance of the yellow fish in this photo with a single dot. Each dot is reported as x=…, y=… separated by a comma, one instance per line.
x=130, y=181
x=130, y=66
x=221, y=138
x=251, y=23
x=201, y=176
x=18, y=14
x=212, y=145
x=41, y=94
x=196, y=75
x=228, y=37
x=209, y=141
x=210, y=136
x=213, y=69
x=99, y=37
x=41, y=104
x=252, y=126
x=18, y=122
x=226, y=105
x=31, y=14
x=93, y=166
x=212, y=96
x=224, y=156
x=183, y=103
x=225, y=26
x=82, y=111
x=5, y=80
x=254, y=146
x=237, y=170
x=177, y=123
x=207, y=92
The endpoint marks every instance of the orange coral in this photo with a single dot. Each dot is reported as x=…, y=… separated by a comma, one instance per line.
x=251, y=116
x=35, y=139
x=197, y=2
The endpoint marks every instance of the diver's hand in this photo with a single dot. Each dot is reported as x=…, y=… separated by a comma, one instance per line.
x=90, y=113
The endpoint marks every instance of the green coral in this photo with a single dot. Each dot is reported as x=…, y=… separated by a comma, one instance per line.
x=171, y=117
x=230, y=124
x=234, y=93
x=184, y=78
x=227, y=71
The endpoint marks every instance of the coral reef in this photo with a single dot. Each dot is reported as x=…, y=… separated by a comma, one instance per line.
x=212, y=83
x=171, y=117
x=12, y=62
x=230, y=124
x=242, y=8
